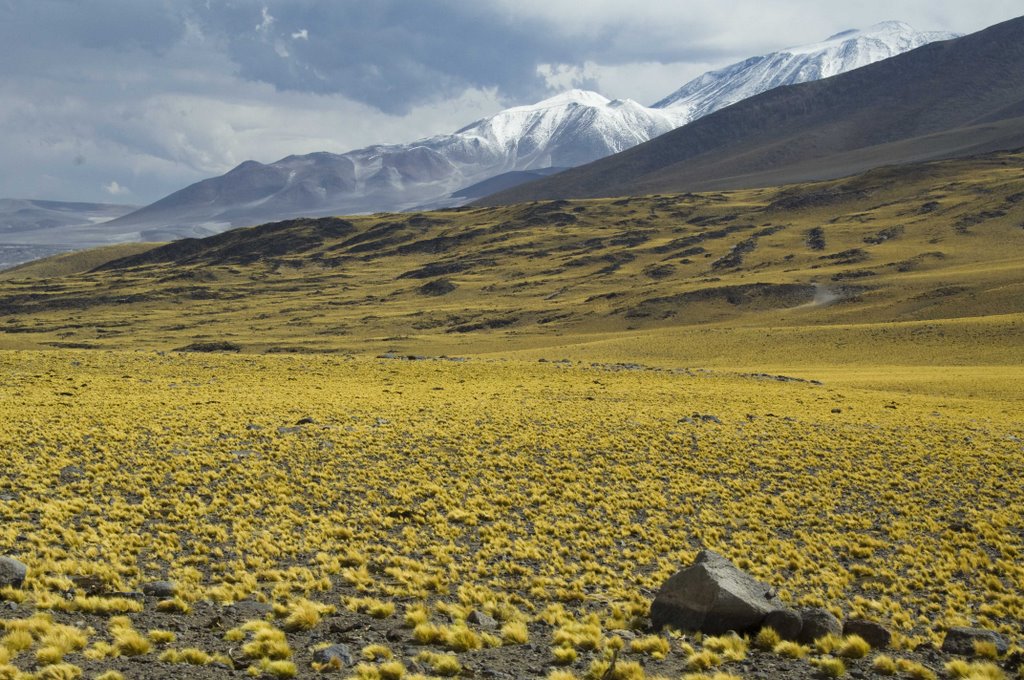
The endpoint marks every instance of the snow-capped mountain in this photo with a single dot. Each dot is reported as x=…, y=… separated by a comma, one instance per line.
x=570, y=129
x=567, y=130
x=841, y=53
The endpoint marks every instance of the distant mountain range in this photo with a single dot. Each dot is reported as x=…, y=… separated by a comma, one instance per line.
x=571, y=129
x=32, y=229
x=947, y=99
x=842, y=52
x=27, y=219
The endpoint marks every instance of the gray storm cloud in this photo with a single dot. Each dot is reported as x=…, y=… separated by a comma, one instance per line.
x=105, y=98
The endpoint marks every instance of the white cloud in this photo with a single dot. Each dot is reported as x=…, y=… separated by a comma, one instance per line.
x=115, y=189
x=267, y=20
x=160, y=95
x=645, y=82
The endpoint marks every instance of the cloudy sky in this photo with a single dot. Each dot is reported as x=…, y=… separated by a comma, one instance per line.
x=129, y=100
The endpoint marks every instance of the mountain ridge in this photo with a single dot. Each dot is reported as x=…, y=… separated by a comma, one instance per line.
x=941, y=100
x=569, y=129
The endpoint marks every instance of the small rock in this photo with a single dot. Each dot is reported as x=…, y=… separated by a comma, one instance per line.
x=250, y=609
x=873, y=633
x=162, y=589
x=481, y=619
x=960, y=640
x=338, y=651
x=71, y=473
x=786, y=622
x=818, y=623
x=305, y=421
x=713, y=596
x=12, y=572
x=90, y=584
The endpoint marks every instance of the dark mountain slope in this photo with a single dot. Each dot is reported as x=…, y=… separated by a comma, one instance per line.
x=943, y=100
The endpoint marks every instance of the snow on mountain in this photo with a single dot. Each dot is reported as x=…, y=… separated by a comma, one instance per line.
x=567, y=130
x=838, y=54
x=570, y=129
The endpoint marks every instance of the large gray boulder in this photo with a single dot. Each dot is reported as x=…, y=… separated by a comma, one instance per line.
x=713, y=596
x=960, y=640
x=339, y=653
x=12, y=572
x=786, y=622
x=817, y=623
x=875, y=634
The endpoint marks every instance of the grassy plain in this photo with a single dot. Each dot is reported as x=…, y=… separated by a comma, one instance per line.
x=821, y=382
x=548, y=494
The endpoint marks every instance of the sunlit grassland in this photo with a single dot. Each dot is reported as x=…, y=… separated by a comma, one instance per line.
x=523, y=488
x=917, y=266
x=821, y=382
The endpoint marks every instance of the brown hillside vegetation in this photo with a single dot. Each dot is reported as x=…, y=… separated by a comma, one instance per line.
x=908, y=257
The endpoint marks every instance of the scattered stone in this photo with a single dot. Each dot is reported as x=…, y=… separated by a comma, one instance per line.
x=338, y=651
x=875, y=634
x=69, y=474
x=250, y=609
x=162, y=589
x=713, y=596
x=90, y=584
x=436, y=288
x=481, y=619
x=960, y=640
x=786, y=622
x=12, y=572
x=818, y=623
x=215, y=346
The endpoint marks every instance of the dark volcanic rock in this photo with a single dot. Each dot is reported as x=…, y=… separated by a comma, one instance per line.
x=481, y=619
x=713, y=596
x=960, y=640
x=817, y=624
x=12, y=572
x=162, y=589
x=875, y=634
x=436, y=287
x=786, y=622
x=338, y=651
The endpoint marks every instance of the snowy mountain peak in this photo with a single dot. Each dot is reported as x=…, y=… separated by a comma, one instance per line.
x=837, y=54
x=568, y=129
x=575, y=96
x=879, y=29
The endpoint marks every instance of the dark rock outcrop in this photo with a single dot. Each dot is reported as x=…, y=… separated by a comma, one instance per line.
x=162, y=589
x=341, y=652
x=786, y=622
x=12, y=572
x=961, y=640
x=817, y=624
x=875, y=634
x=713, y=596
